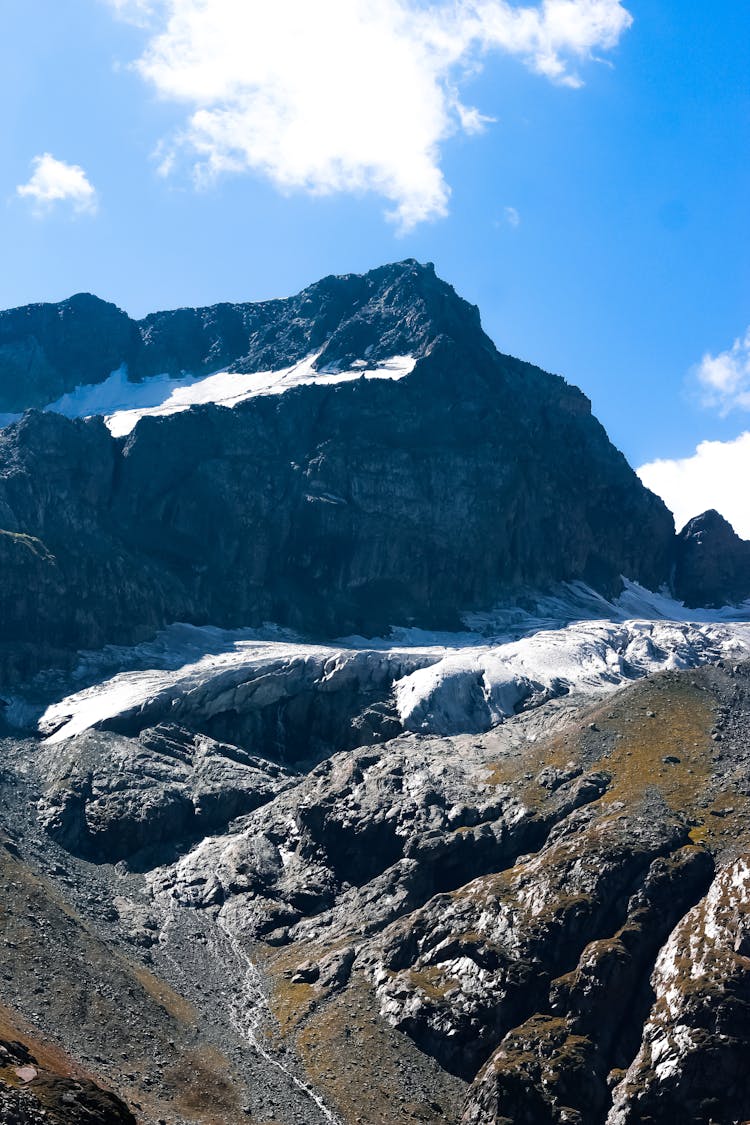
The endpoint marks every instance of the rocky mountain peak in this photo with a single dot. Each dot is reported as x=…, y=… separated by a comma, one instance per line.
x=713, y=563
x=709, y=523
x=396, y=309
x=47, y=350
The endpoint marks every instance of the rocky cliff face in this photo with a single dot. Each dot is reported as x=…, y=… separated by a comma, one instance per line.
x=333, y=509
x=46, y=350
x=712, y=563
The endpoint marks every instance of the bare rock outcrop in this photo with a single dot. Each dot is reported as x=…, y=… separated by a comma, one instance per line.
x=691, y=1065
x=108, y=798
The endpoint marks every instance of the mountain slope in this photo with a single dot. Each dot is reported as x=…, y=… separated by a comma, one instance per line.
x=546, y=922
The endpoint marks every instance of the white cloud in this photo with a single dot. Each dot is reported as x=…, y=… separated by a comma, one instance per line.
x=725, y=378
x=512, y=216
x=53, y=181
x=716, y=476
x=350, y=95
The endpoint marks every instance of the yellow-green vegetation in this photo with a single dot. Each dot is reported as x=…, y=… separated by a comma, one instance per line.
x=699, y=834
x=204, y=1087
x=629, y=734
x=358, y=1062
x=545, y=1040
x=660, y=718
x=653, y=737
x=673, y=717
x=172, y=1003
x=349, y=1053
x=432, y=981
x=290, y=1002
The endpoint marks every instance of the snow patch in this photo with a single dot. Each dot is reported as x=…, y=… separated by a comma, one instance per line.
x=669, y=1050
x=122, y=403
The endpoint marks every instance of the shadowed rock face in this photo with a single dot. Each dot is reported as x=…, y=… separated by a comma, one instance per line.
x=713, y=563
x=46, y=350
x=333, y=509
x=690, y=1063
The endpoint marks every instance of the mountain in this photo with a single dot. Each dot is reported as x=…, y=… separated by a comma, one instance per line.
x=483, y=861
x=361, y=499
x=544, y=921
x=713, y=563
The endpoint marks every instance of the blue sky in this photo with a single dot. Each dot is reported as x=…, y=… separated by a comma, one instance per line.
x=599, y=219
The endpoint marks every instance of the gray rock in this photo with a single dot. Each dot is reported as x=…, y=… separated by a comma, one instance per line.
x=109, y=797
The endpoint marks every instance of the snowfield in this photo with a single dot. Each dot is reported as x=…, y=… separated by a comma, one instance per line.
x=438, y=683
x=123, y=403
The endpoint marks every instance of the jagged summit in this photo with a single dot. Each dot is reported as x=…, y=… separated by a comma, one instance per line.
x=47, y=350
x=707, y=523
x=713, y=563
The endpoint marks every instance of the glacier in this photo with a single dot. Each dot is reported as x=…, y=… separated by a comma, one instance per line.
x=436, y=683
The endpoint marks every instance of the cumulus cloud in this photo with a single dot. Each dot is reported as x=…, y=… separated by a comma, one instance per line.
x=54, y=182
x=715, y=476
x=725, y=378
x=350, y=95
x=512, y=216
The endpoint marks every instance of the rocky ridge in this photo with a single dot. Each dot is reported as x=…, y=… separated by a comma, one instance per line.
x=47, y=350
